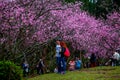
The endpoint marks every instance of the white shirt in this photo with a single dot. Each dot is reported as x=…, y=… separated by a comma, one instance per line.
x=58, y=50
x=116, y=55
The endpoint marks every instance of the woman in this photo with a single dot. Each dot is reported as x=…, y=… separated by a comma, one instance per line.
x=62, y=59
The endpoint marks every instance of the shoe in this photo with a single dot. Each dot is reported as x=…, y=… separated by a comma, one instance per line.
x=62, y=72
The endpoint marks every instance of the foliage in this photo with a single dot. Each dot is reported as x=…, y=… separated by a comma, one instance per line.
x=10, y=71
x=70, y=1
x=100, y=8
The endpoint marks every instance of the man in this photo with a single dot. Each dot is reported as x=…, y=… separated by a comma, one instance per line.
x=41, y=66
x=116, y=58
x=58, y=55
x=25, y=68
x=92, y=60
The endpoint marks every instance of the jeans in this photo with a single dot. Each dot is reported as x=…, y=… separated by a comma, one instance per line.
x=58, y=64
x=63, y=64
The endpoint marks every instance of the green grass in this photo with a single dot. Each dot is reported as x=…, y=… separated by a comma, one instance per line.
x=98, y=73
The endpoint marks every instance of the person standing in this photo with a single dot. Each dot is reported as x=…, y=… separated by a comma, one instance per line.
x=25, y=69
x=41, y=66
x=63, y=59
x=58, y=55
x=116, y=58
x=92, y=60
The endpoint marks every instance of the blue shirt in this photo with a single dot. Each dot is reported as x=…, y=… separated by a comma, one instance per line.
x=78, y=63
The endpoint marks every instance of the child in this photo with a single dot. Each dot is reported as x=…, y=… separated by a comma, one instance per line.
x=56, y=70
x=72, y=65
x=78, y=63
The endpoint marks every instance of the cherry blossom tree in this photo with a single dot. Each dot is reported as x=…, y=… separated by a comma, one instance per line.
x=26, y=22
x=87, y=33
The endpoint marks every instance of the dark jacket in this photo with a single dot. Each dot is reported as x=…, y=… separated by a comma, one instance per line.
x=93, y=58
x=62, y=51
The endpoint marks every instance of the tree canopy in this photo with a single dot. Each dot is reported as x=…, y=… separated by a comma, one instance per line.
x=27, y=24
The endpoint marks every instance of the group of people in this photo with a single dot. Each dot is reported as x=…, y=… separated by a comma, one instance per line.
x=91, y=61
x=113, y=61
x=115, y=58
x=75, y=64
x=39, y=67
x=61, y=59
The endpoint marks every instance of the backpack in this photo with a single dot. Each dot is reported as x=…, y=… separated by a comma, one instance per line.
x=67, y=52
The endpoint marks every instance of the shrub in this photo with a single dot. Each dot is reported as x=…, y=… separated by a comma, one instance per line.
x=10, y=71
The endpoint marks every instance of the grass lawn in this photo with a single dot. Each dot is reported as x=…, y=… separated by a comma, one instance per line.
x=98, y=73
